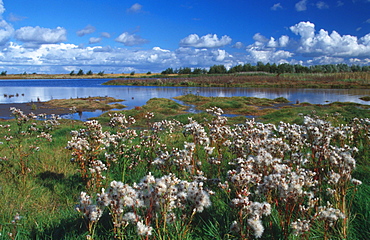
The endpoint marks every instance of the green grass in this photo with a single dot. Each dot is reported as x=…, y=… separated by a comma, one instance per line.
x=82, y=104
x=293, y=115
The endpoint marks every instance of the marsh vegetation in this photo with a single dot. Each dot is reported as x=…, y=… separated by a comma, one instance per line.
x=156, y=172
x=89, y=103
x=287, y=80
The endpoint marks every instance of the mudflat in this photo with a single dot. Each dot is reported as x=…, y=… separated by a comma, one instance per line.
x=35, y=107
x=63, y=106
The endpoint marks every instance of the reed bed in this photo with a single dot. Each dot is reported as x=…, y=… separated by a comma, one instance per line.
x=312, y=80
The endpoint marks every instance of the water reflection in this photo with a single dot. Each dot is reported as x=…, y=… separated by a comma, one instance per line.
x=44, y=90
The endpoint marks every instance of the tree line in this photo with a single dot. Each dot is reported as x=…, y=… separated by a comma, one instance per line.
x=271, y=68
x=81, y=72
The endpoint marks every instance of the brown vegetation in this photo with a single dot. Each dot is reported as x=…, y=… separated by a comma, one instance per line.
x=312, y=80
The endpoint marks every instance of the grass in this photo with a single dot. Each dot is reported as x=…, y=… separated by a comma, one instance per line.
x=293, y=115
x=90, y=103
x=366, y=98
x=164, y=108
x=46, y=194
x=236, y=105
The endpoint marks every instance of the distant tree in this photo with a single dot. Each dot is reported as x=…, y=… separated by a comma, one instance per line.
x=365, y=68
x=25, y=73
x=101, y=73
x=260, y=67
x=285, y=68
x=217, y=69
x=132, y=73
x=267, y=67
x=249, y=68
x=317, y=69
x=301, y=69
x=236, y=69
x=89, y=72
x=80, y=72
x=185, y=70
x=197, y=71
x=72, y=73
x=3, y=73
x=342, y=67
x=168, y=71
x=273, y=68
x=149, y=73
x=355, y=68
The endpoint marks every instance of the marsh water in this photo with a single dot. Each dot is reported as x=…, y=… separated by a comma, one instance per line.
x=23, y=91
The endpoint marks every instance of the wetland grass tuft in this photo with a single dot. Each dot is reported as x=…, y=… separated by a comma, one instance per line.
x=90, y=103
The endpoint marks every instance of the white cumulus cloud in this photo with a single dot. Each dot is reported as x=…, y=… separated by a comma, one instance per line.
x=260, y=38
x=305, y=29
x=207, y=41
x=263, y=42
x=268, y=55
x=130, y=39
x=283, y=41
x=161, y=50
x=6, y=31
x=332, y=45
x=38, y=35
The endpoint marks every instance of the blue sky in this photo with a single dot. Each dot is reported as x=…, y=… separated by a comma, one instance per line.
x=58, y=36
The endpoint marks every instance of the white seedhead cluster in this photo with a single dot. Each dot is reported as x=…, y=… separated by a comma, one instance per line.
x=300, y=172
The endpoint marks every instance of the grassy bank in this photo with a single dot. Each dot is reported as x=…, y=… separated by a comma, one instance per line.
x=86, y=104
x=275, y=110
x=332, y=80
x=168, y=174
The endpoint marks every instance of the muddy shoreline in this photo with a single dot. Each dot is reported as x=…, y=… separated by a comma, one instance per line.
x=34, y=107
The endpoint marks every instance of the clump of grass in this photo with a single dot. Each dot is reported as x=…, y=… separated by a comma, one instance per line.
x=90, y=103
x=163, y=108
x=366, y=98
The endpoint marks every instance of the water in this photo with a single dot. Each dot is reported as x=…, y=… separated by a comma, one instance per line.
x=33, y=90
